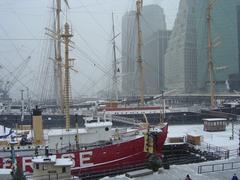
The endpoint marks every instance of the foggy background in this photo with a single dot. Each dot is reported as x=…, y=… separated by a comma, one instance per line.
x=24, y=44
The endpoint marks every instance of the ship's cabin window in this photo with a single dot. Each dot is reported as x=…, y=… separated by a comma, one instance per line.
x=91, y=121
x=37, y=166
x=94, y=120
x=63, y=169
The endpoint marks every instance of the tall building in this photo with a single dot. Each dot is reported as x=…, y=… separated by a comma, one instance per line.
x=128, y=52
x=181, y=57
x=226, y=42
x=186, y=66
x=152, y=22
x=153, y=53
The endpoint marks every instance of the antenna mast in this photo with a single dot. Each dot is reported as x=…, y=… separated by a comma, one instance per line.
x=115, y=88
x=139, y=4
x=66, y=36
x=210, y=54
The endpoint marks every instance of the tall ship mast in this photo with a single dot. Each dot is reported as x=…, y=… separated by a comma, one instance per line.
x=66, y=36
x=210, y=55
x=139, y=4
x=115, y=83
x=58, y=75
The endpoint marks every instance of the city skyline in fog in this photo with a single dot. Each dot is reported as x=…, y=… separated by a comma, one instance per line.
x=22, y=37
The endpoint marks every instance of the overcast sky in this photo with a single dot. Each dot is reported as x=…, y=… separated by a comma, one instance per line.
x=23, y=41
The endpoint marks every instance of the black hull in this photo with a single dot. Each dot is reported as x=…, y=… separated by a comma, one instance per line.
x=174, y=118
x=58, y=121
x=49, y=121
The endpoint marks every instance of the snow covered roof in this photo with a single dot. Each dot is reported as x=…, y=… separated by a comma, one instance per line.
x=214, y=119
x=53, y=159
x=63, y=162
x=5, y=171
x=44, y=159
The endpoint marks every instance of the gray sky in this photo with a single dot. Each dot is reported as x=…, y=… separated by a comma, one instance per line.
x=24, y=22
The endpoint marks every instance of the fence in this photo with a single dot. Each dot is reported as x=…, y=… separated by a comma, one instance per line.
x=214, y=150
x=218, y=167
x=51, y=176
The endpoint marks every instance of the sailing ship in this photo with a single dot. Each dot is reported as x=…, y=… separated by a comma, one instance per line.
x=96, y=148
x=137, y=107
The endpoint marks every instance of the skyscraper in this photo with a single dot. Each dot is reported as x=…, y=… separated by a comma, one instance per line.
x=154, y=52
x=180, y=58
x=152, y=22
x=128, y=52
x=186, y=66
x=225, y=37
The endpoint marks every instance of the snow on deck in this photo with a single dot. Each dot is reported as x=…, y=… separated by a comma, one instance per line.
x=57, y=132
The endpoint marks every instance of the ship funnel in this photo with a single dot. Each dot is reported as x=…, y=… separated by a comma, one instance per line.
x=37, y=126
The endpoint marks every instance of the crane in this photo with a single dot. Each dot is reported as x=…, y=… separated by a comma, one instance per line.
x=15, y=74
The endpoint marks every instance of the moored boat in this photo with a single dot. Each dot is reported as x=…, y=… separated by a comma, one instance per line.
x=94, y=149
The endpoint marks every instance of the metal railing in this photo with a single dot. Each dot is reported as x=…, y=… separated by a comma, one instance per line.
x=234, y=153
x=221, y=152
x=51, y=176
x=122, y=119
x=218, y=167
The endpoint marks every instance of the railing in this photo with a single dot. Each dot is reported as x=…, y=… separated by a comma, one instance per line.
x=218, y=167
x=51, y=176
x=125, y=120
x=234, y=153
x=214, y=150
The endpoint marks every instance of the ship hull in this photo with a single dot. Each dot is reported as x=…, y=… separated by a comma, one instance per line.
x=103, y=159
x=57, y=121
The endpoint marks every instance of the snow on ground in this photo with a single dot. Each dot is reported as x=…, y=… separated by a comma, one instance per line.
x=179, y=172
x=221, y=138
